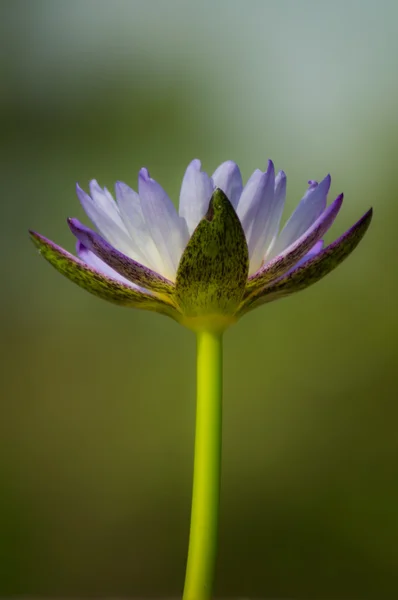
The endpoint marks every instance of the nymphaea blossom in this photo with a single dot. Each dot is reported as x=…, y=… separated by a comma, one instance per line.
x=220, y=256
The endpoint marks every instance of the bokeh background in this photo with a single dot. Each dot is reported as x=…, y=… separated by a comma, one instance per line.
x=97, y=402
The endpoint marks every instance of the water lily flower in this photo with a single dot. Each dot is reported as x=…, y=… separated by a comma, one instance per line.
x=219, y=257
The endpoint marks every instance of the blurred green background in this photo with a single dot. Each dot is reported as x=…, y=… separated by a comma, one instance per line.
x=98, y=402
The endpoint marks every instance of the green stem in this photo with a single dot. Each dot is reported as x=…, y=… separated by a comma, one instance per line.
x=203, y=535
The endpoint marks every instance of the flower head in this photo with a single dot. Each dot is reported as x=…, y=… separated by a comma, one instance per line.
x=221, y=255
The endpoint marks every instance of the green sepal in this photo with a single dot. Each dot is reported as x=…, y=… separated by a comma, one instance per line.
x=311, y=271
x=213, y=269
x=98, y=284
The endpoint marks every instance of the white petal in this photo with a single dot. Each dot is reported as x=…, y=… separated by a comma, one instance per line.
x=228, y=178
x=254, y=209
x=104, y=213
x=274, y=220
x=99, y=265
x=130, y=208
x=310, y=208
x=196, y=191
x=168, y=230
x=102, y=196
x=250, y=200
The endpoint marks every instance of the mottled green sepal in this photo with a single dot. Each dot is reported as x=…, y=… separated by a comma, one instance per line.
x=213, y=270
x=97, y=283
x=311, y=271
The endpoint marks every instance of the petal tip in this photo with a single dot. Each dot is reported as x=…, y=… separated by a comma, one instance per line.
x=81, y=194
x=230, y=164
x=337, y=202
x=143, y=175
x=73, y=222
x=312, y=184
x=326, y=182
x=340, y=197
x=76, y=226
x=95, y=185
x=195, y=164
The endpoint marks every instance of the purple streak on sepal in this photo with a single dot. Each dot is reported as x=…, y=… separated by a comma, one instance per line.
x=313, y=270
x=125, y=266
x=96, y=282
x=282, y=263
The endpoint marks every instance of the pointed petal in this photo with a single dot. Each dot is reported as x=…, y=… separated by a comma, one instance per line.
x=168, y=230
x=307, y=212
x=196, y=191
x=227, y=177
x=254, y=208
x=271, y=225
x=312, y=270
x=95, y=282
x=130, y=208
x=274, y=221
x=104, y=213
x=125, y=266
x=102, y=197
x=281, y=264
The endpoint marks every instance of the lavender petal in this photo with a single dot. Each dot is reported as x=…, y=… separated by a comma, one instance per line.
x=279, y=265
x=103, y=211
x=227, y=177
x=196, y=191
x=307, y=212
x=254, y=210
x=169, y=231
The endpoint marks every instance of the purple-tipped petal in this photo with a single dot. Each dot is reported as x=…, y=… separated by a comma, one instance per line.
x=125, y=266
x=168, y=230
x=312, y=270
x=307, y=212
x=196, y=191
x=271, y=229
x=96, y=282
x=227, y=177
x=263, y=222
x=90, y=259
x=290, y=257
x=279, y=203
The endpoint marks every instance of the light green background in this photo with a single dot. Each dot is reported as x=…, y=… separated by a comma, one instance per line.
x=97, y=402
